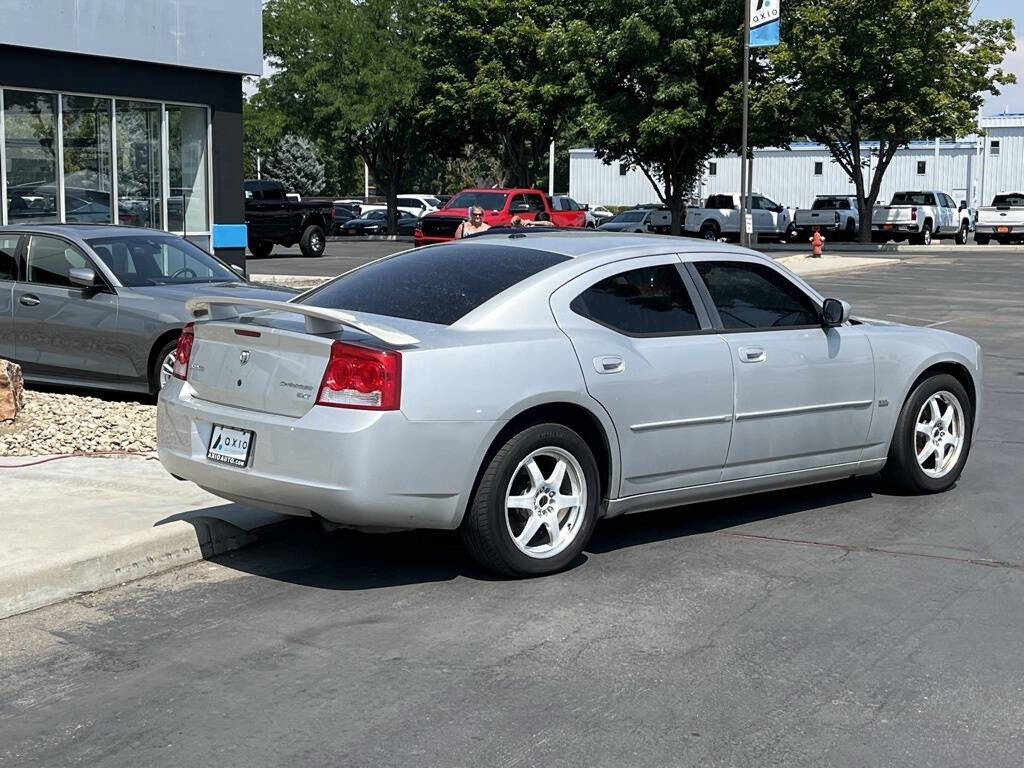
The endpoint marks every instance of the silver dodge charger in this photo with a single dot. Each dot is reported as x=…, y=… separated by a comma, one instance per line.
x=518, y=387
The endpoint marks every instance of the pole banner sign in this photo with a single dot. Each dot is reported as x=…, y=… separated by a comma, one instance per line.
x=764, y=23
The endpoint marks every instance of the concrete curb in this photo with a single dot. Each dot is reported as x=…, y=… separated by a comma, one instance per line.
x=887, y=248
x=126, y=558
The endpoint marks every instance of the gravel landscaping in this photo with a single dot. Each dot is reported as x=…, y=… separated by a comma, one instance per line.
x=55, y=423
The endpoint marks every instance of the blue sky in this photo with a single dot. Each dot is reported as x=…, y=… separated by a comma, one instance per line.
x=1012, y=97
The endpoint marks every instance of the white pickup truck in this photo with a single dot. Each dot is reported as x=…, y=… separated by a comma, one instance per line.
x=1003, y=221
x=920, y=217
x=720, y=217
x=835, y=214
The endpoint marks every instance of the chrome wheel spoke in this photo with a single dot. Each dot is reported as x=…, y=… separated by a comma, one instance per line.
x=947, y=418
x=554, y=532
x=529, y=531
x=521, y=502
x=566, y=502
x=933, y=406
x=925, y=453
x=536, y=476
x=557, y=475
x=924, y=429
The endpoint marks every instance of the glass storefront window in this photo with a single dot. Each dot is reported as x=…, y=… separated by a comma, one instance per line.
x=30, y=144
x=88, y=179
x=139, y=165
x=187, y=200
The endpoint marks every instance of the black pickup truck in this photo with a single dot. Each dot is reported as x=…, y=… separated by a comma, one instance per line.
x=273, y=219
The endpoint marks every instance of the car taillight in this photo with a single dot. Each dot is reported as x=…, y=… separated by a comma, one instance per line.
x=418, y=233
x=913, y=214
x=184, y=351
x=360, y=377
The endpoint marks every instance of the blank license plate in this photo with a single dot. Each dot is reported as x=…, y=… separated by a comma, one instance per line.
x=887, y=226
x=230, y=446
x=1002, y=229
x=351, y=231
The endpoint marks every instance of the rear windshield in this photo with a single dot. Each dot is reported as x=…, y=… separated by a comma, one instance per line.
x=433, y=285
x=830, y=204
x=490, y=201
x=913, y=198
x=1014, y=198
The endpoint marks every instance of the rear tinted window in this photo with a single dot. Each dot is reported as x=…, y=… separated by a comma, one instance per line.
x=831, y=204
x=434, y=285
x=1014, y=199
x=913, y=198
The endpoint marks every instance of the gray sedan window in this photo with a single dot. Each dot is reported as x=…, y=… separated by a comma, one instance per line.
x=434, y=285
x=50, y=261
x=755, y=297
x=651, y=301
x=8, y=249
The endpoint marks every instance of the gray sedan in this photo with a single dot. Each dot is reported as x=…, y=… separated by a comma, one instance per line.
x=102, y=306
x=519, y=387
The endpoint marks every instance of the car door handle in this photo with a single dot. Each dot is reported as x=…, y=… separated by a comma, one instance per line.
x=752, y=354
x=609, y=364
x=29, y=300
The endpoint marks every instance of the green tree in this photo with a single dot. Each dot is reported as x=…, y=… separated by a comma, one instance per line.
x=352, y=73
x=663, y=90
x=295, y=162
x=904, y=70
x=497, y=79
x=262, y=126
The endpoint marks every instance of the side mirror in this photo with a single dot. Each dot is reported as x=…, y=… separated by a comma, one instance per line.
x=835, y=312
x=238, y=269
x=83, y=277
x=963, y=204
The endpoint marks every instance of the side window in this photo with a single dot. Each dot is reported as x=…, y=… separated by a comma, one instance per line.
x=536, y=203
x=720, y=201
x=410, y=202
x=8, y=250
x=651, y=301
x=763, y=203
x=273, y=191
x=51, y=260
x=752, y=296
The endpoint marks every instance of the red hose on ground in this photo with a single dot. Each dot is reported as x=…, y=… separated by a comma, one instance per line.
x=77, y=454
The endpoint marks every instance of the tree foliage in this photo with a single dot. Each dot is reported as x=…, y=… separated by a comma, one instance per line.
x=498, y=80
x=353, y=72
x=663, y=90
x=887, y=71
x=295, y=162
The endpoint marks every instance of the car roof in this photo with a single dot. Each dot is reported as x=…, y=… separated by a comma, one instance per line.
x=82, y=231
x=581, y=244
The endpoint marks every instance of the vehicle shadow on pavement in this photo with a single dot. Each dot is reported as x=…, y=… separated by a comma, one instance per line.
x=677, y=522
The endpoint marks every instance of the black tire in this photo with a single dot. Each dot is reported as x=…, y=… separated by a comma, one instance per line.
x=260, y=248
x=981, y=239
x=709, y=231
x=925, y=237
x=961, y=234
x=485, y=530
x=313, y=242
x=155, y=384
x=851, y=230
x=791, y=234
x=902, y=468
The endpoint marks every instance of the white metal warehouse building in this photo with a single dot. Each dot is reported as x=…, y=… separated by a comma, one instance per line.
x=974, y=168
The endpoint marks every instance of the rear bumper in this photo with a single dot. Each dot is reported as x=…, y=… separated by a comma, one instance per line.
x=428, y=239
x=896, y=226
x=356, y=468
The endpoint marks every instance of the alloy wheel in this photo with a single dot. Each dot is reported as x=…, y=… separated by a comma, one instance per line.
x=939, y=434
x=166, y=369
x=545, y=502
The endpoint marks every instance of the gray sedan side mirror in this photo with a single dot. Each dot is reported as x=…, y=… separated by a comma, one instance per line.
x=835, y=312
x=83, y=277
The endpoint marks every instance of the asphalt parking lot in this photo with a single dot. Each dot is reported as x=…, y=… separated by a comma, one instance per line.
x=837, y=625
x=339, y=256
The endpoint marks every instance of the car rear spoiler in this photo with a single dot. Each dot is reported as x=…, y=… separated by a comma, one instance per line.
x=318, y=319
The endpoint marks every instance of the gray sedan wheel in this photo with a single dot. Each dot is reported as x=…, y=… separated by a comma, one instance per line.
x=163, y=366
x=933, y=436
x=535, y=505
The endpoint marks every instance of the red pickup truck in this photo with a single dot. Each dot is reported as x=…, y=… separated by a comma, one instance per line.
x=499, y=205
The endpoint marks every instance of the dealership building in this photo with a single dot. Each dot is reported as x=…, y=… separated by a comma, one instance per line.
x=128, y=112
x=974, y=168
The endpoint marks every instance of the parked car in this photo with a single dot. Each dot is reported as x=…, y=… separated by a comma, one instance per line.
x=340, y=214
x=273, y=219
x=376, y=223
x=566, y=203
x=599, y=213
x=920, y=217
x=102, y=306
x=1003, y=221
x=640, y=220
x=720, y=217
x=519, y=388
x=836, y=216
x=499, y=205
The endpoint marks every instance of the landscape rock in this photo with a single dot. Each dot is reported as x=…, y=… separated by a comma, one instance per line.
x=12, y=390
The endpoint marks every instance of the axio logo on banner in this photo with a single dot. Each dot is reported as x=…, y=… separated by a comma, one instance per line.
x=764, y=22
